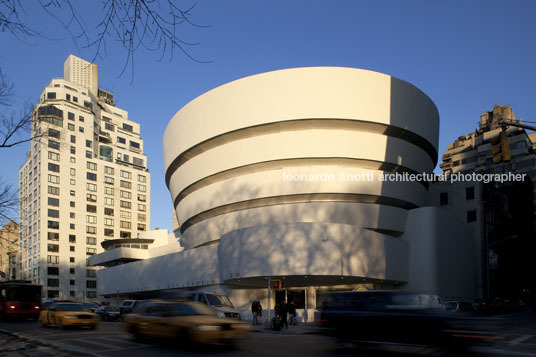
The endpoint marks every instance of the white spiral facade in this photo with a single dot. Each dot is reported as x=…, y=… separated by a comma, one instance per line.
x=229, y=153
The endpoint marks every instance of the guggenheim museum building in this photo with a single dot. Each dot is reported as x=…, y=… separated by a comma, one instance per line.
x=307, y=178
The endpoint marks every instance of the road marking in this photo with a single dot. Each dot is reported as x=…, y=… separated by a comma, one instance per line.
x=520, y=339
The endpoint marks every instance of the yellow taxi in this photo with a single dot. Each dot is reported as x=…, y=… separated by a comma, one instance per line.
x=189, y=321
x=68, y=314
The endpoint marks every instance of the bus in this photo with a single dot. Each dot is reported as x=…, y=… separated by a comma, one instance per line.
x=20, y=299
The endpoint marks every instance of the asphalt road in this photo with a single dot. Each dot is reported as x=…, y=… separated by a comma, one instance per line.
x=28, y=338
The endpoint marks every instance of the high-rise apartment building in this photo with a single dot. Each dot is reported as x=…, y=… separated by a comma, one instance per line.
x=502, y=214
x=84, y=181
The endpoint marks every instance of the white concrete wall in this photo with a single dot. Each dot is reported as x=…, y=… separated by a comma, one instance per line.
x=441, y=255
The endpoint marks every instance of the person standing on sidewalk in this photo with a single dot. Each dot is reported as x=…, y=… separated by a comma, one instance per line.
x=255, y=311
x=292, y=313
x=283, y=310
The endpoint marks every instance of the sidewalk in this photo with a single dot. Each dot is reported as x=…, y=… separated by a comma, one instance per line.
x=300, y=329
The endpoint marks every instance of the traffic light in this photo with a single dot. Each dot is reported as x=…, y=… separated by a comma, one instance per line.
x=277, y=284
x=500, y=148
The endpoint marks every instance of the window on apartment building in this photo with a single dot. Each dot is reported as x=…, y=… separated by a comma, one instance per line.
x=73, y=138
x=470, y=193
x=53, y=236
x=142, y=188
x=91, y=251
x=53, y=271
x=71, y=225
x=89, y=154
x=54, y=156
x=91, y=197
x=108, y=201
x=141, y=227
x=88, y=143
x=90, y=273
x=75, y=99
x=141, y=198
x=91, y=166
x=72, y=238
x=73, y=150
x=72, y=171
x=134, y=144
x=53, y=202
x=81, y=129
x=53, y=144
x=91, y=219
x=51, y=95
x=108, y=222
x=91, y=187
x=53, y=167
x=53, y=225
x=108, y=190
x=71, y=248
x=443, y=198
x=71, y=282
x=128, y=127
x=121, y=140
x=91, y=230
x=91, y=240
x=125, y=194
x=108, y=170
x=124, y=234
x=72, y=203
x=52, y=294
x=52, y=133
x=71, y=215
x=72, y=182
x=91, y=176
x=54, y=283
x=141, y=178
x=108, y=211
x=141, y=207
x=54, y=213
x=91, y=208
x=71, y=259
x=471, y=216
x=53, y=259
x=136, y=161
x=125, y=224
x=53, y=179
x=108, y=232
x=141, y=217
x=109, y=127
x=108, y=180
x=71, y=271
x=81, y=118
x=53, y=190
x=125, y=174
x=53, y=248
x=91, y=294
x=126, y=214
x=70, y=116
x=125, y=204
x=125, y=184
x=71, y=128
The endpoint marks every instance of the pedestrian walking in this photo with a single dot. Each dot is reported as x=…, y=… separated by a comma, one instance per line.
x=292, y=313
x=255, y=311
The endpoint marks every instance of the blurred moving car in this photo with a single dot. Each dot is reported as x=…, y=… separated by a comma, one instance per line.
x=377, y=319
x=127, y=306
x=108, y=313
x=91, y=306
x=188, y=321
x=219, y=303
x=458, y=306
x=67, y=314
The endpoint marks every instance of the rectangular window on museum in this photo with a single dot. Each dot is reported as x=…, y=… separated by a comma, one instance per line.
x=443, y=198
x=470, y=193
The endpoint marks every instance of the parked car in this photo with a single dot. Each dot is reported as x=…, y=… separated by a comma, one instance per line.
x=68, y=314
x=219, y=303
x=127, y=306
x=108, y=313
x=189, y=321
x=91, y=306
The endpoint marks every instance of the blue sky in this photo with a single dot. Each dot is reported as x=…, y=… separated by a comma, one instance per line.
x=466, y=55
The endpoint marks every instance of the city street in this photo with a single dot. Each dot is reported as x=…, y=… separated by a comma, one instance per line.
x=28, y=338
